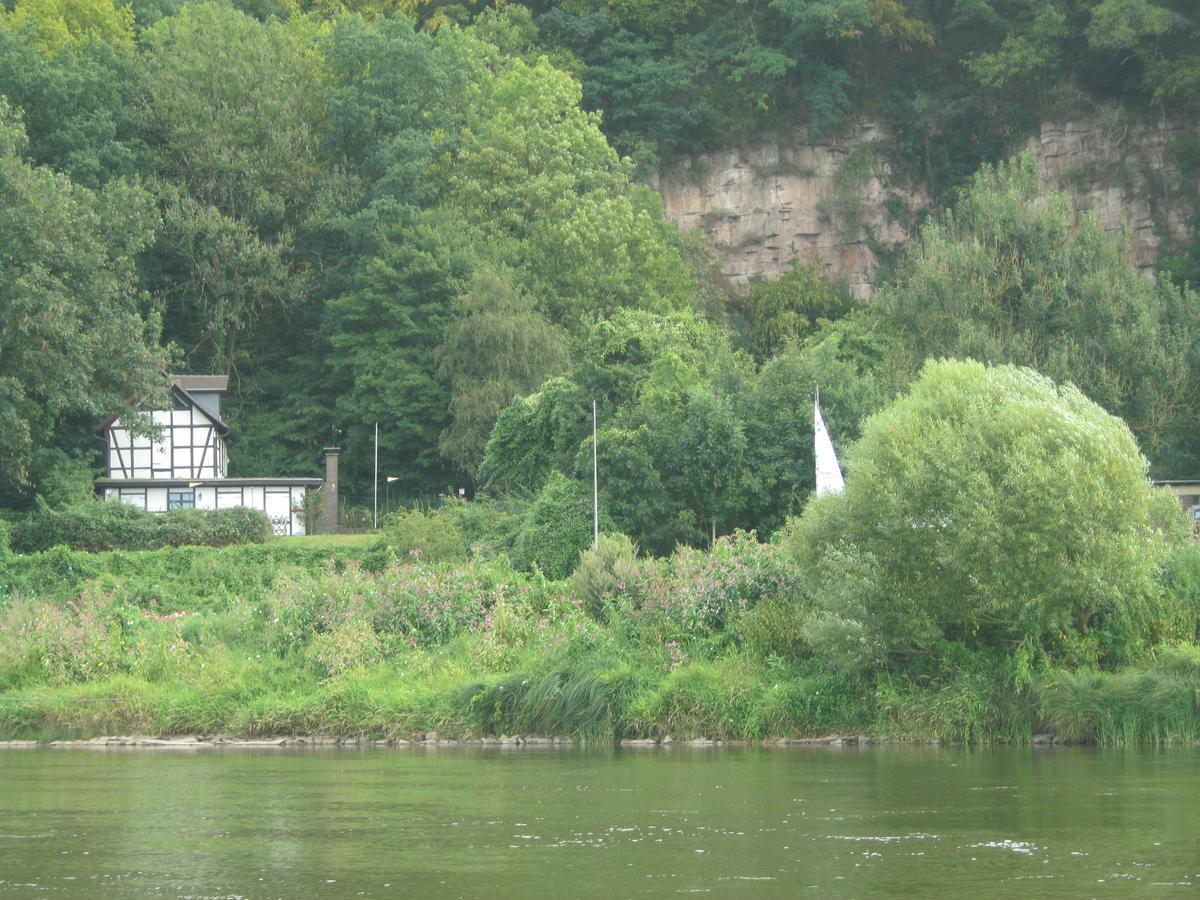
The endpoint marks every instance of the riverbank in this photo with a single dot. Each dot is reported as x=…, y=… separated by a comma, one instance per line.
x=264, y=643
x=194, y=742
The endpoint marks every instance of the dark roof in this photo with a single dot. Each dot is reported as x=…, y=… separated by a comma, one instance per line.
x=202, y=382
x=222, y=428
x=206, y=482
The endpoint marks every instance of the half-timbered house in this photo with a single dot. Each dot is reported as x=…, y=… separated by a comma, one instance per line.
x=182, y=465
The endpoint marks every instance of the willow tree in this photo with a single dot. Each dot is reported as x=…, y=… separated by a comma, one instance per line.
x=991, y=509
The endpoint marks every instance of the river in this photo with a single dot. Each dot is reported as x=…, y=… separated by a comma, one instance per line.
x=732, y=822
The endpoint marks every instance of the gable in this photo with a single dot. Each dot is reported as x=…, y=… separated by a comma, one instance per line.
x=178, y=394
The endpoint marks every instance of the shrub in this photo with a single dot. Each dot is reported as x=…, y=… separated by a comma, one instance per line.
x=988, y=507
x=43, y=642
x=556, y=528
x=430, y=605
x=774, y=629
x=109, y=525
x=606, y=571
x=705, y=592
x=66, y=481
x=349, y=645
x=429, y=536
x=1180, y=579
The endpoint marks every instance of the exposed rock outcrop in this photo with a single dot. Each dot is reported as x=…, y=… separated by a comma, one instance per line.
x=1124, y=172
x=771, y=205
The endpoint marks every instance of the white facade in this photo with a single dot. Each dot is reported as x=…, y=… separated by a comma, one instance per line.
x=183, y=464
x=190, y=447
x=282, y=501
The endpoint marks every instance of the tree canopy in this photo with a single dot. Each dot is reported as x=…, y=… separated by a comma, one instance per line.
x=990, y=508
x=436, y=217
x=78, y=339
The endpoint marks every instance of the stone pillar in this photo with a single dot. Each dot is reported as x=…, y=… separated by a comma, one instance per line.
x=329, y=493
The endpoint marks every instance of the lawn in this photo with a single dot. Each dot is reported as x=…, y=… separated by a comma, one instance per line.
x=328, y=540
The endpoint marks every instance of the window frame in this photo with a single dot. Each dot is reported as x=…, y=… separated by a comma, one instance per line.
x=181, y=498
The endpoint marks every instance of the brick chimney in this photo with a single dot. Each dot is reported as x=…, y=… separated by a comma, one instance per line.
x=329, y=493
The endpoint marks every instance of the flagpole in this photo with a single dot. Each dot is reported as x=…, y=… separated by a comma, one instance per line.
x=595, y=485
x=375, y=517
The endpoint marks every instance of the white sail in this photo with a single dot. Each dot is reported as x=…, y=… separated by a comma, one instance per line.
x=829, y=473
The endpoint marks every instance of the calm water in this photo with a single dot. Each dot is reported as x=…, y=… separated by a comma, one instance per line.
x=494, y=823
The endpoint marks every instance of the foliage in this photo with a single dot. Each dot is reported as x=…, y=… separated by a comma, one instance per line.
x=692, y=440
x=78, y=339
x=498, y=347
x=959, y=85
x=426, y=535
x=57, y=644
x=1153, y=703
x=282, y=638
x=491, y=228
x=792, y=307
x=79, y=107
x=234, y=186
x=1013, y=276
x=109, y=525
x=606, y=571
x=557, y=527
x=51, y=25
x=990, y=509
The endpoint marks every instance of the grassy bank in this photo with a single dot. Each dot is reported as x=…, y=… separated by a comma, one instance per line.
x=292, y=639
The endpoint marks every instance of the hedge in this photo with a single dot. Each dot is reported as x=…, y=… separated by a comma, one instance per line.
x=110, y=525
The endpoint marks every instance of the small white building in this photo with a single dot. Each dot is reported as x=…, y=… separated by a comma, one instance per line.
x=185, y=467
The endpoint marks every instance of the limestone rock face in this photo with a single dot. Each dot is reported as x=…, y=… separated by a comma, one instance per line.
x=1124, y=172
x=772, y=205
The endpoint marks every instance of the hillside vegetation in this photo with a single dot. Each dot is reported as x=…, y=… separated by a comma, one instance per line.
x=1045, y=587
x=413, y=215
x=433, y=217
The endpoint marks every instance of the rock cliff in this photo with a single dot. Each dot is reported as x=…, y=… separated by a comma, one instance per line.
x=771, y=205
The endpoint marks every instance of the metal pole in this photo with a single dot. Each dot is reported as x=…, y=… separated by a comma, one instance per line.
x=595, y=485
x=375, y=516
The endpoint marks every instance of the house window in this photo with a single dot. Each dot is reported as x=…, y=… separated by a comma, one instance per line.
x=182, y=499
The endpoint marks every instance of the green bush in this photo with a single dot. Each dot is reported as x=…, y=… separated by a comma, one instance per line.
x=1180, y=578
x=988, y=508
x=606, y=571
x=100, y=525
x=44, y=642
x=556, y=528
x=707, y=592
x=424, y=535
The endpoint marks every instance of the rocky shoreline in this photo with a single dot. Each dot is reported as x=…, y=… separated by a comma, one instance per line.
x=431, y=739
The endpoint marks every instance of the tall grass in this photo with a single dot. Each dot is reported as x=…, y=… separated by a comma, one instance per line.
x=271, y=640
x=1154, y=704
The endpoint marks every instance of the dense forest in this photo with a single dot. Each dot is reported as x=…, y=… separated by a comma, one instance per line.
x=433, y=217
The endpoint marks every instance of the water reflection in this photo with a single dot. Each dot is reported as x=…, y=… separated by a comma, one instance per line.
x=493, y=822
